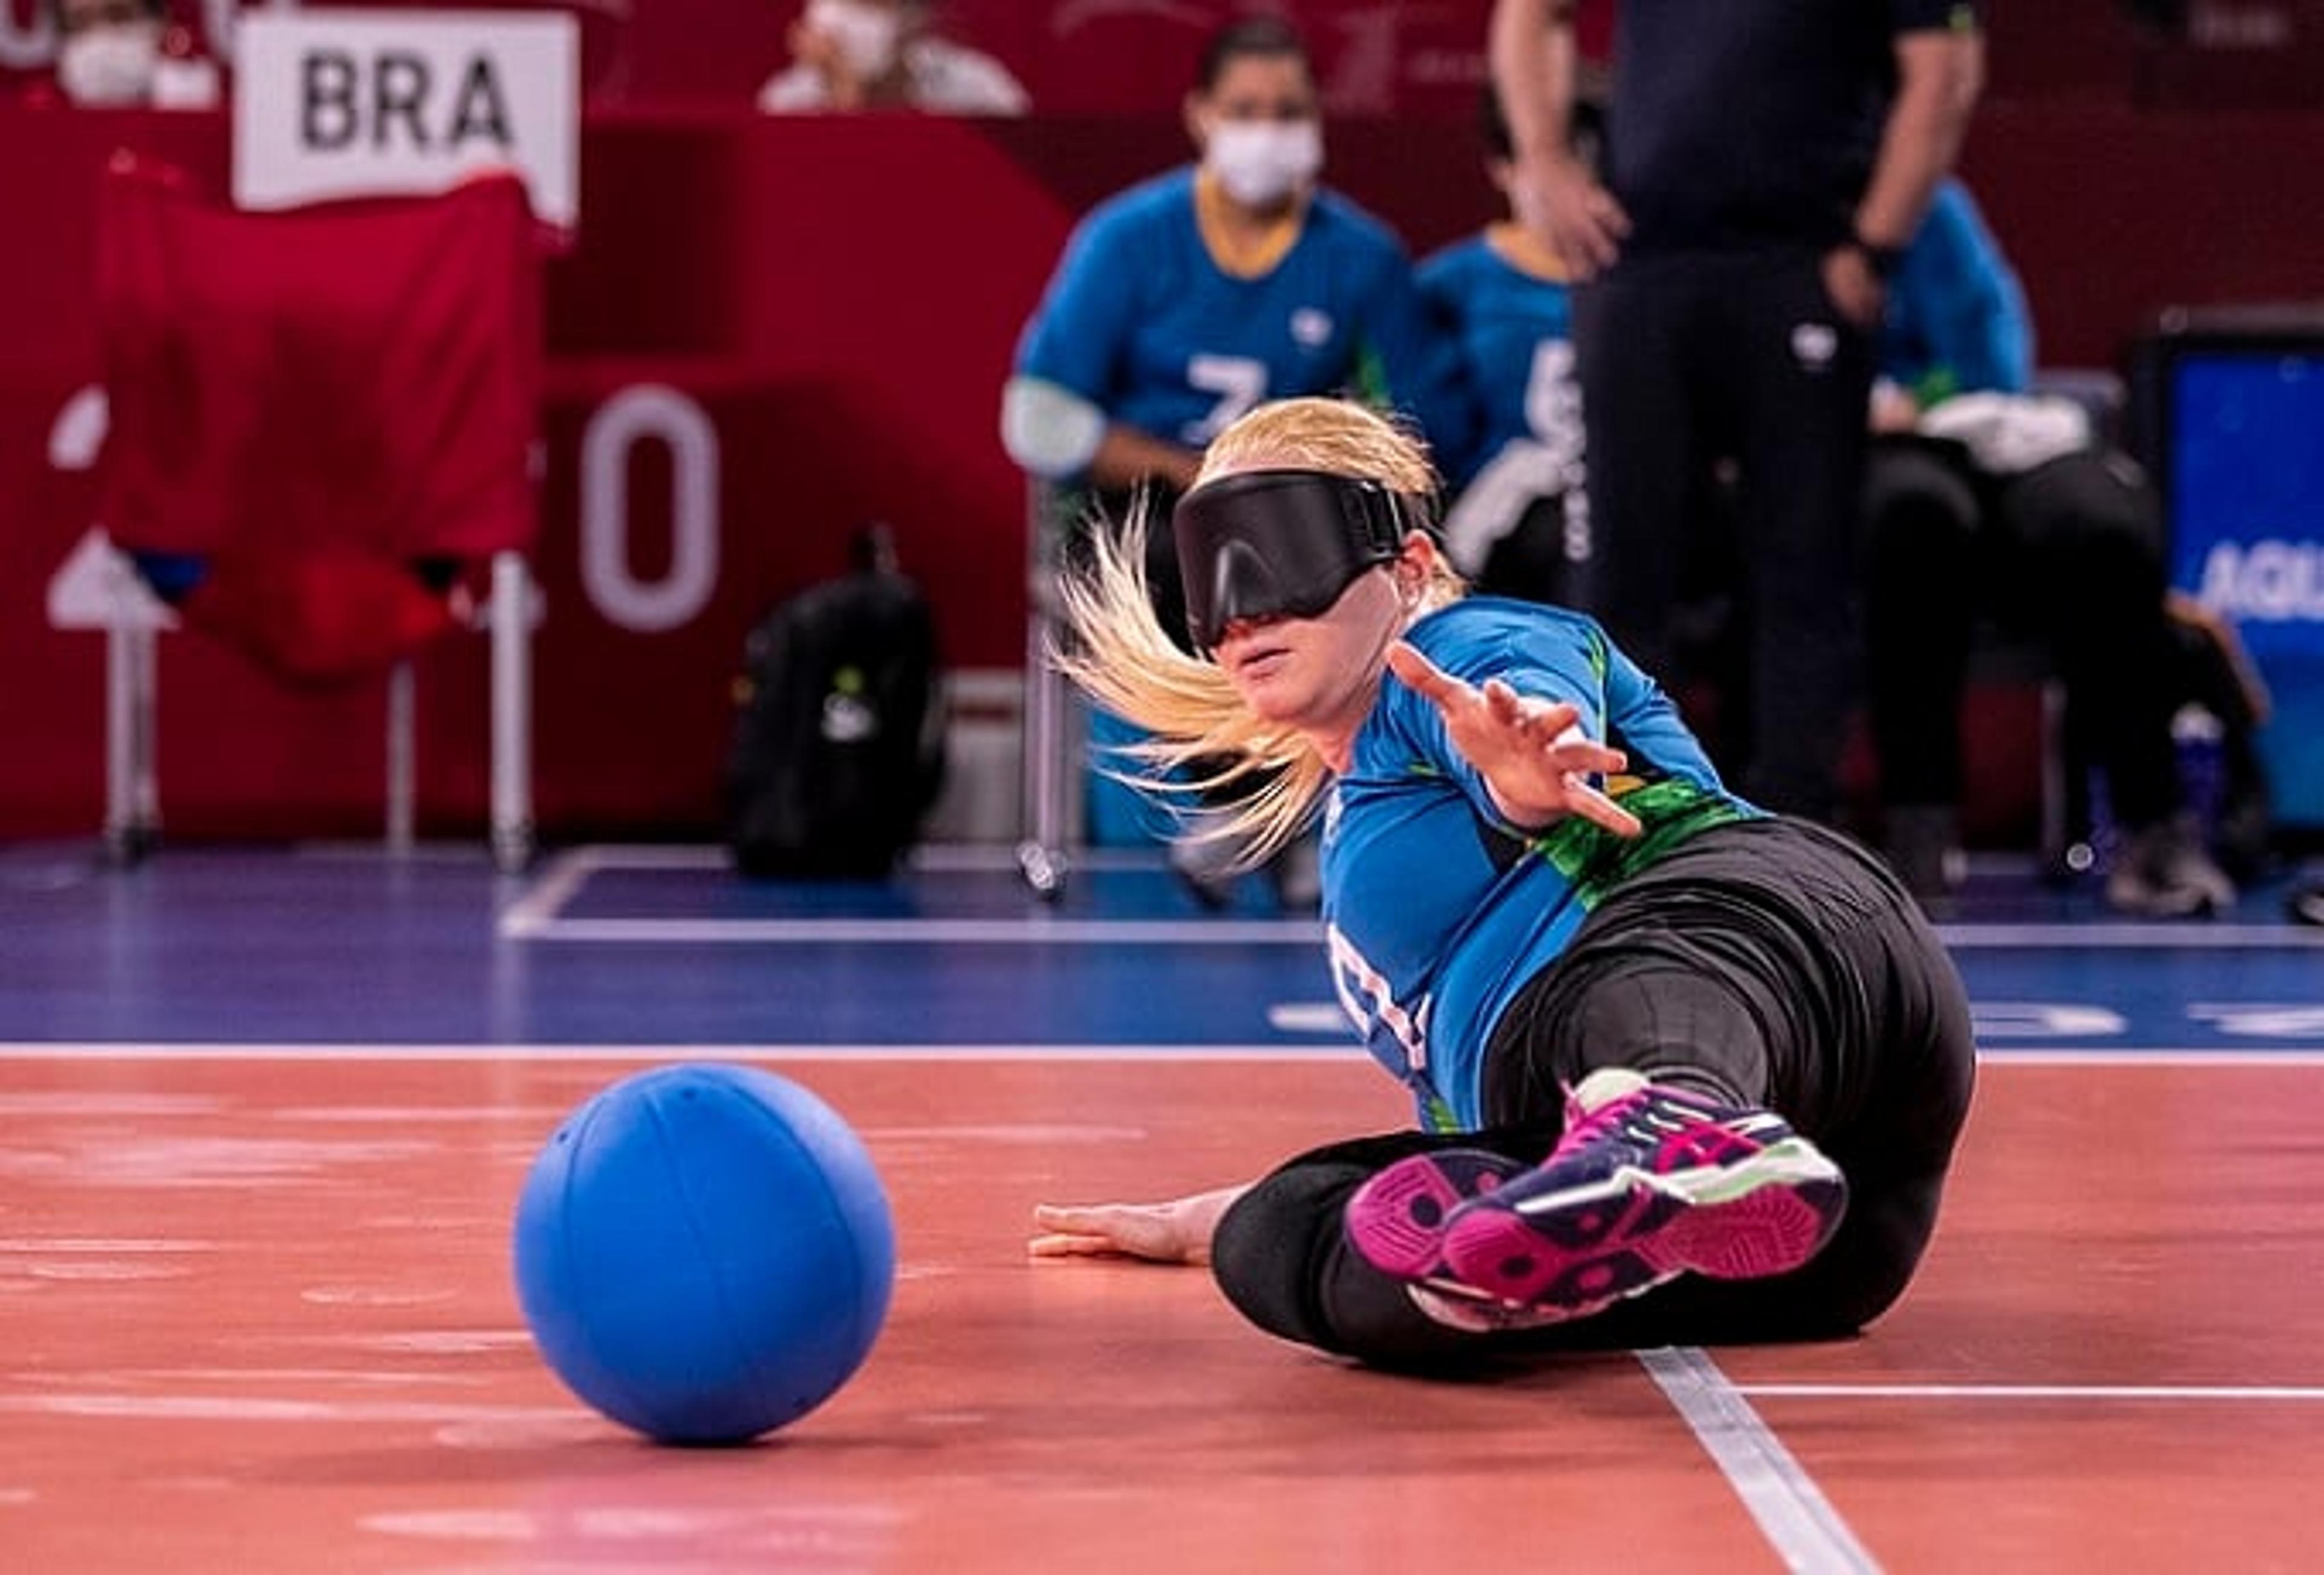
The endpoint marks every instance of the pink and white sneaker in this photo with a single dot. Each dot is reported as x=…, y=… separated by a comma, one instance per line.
x=1396, y=1220
x=1648, y=1183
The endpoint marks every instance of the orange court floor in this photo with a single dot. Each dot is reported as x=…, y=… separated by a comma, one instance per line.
x=260, y=1316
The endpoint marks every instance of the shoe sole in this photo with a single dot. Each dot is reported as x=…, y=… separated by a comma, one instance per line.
x=1580, y=1251
x=1396, y=1221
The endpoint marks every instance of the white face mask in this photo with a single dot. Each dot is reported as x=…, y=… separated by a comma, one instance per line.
x=1259, y=162
x=867, y=36
x=109, y=66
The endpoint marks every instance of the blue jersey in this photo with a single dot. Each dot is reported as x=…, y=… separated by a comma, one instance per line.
x=1141, y=321
x=1437, y=913
x=1957, y=321
x=1513, y=331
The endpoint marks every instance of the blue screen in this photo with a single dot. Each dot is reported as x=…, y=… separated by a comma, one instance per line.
x=2246, y=459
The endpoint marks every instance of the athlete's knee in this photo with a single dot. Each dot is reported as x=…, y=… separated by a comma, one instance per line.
x=1262, y=1249
x=1868, y=1266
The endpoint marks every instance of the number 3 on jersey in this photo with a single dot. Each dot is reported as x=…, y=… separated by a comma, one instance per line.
x=1365, y=996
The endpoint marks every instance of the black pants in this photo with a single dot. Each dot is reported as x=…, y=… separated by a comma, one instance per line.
x=1686, y=360
x=1770, y=961
x=2071, y=551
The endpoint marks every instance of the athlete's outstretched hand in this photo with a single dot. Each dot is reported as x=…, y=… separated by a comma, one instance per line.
x=1531, y=751
x=1178, y=1232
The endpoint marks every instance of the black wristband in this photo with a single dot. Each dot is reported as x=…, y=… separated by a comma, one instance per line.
x=1882, y=259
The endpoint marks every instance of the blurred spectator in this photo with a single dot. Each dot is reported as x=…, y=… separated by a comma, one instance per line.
x=124, y=54
x=885, y=54
x=1519, y=521
x=1188, y=299
x=108, y=51
x=1183, y=301
x=1981, y=496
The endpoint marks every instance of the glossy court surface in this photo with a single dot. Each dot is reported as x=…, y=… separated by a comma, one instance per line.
x=266, y=1115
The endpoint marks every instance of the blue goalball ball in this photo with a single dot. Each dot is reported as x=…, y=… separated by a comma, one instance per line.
x=704, y=1253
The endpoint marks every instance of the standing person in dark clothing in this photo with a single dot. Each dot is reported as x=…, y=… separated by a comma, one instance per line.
x=1686, y=1071
x=1766, y=165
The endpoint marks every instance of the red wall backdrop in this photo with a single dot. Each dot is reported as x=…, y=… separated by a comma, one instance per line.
x=835, y=303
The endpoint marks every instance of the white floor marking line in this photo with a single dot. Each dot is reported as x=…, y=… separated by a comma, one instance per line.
x=535, y=915
x=2130, y=936
x=1033, y=929
x=2179, y=1058
x=656, y=856
x=2174, y=1392
x=971, y=858
x=534, y=918
x=1345, y=1054
x=560, y=882
x=1342, y=1051
x=986, y=858
x=230, y=1408
x=1311, y=1017
x=1807, y=1534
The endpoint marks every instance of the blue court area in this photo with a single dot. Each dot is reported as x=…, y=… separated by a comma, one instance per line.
x=663, y=946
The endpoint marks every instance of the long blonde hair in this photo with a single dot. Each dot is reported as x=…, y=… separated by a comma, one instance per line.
x=1202, y=739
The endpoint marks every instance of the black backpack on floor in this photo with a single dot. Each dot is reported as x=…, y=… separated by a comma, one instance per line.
x=838, y=747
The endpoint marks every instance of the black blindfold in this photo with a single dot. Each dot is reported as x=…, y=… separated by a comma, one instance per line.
x=1282, y=543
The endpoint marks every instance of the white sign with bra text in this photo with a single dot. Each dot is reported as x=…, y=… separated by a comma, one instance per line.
x=339, y=104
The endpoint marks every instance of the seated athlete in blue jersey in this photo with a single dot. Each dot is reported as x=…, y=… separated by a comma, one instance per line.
x=1981, y=494
x=1518, y=523
x=1188, y=299
x=1685, y=1071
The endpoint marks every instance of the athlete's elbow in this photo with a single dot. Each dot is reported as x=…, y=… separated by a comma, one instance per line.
x=1047, y=429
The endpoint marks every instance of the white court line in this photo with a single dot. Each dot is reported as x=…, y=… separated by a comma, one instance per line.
x=2131, y=938
x=1343, y=1051
x=532, y=918
x=947, y=858
x=2300, y=1022
x=2179, y=1058
x=1806, y=1531
x=559, y=879
x=536, y=915
x=1034, y=929
x=163, y=1050
x=652, y=855
x=984, y=858
x=2193, y=1392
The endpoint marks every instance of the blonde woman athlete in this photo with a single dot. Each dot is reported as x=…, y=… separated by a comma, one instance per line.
x=1686, y=1071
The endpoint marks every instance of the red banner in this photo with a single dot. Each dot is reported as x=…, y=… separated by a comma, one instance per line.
x=754, y=348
